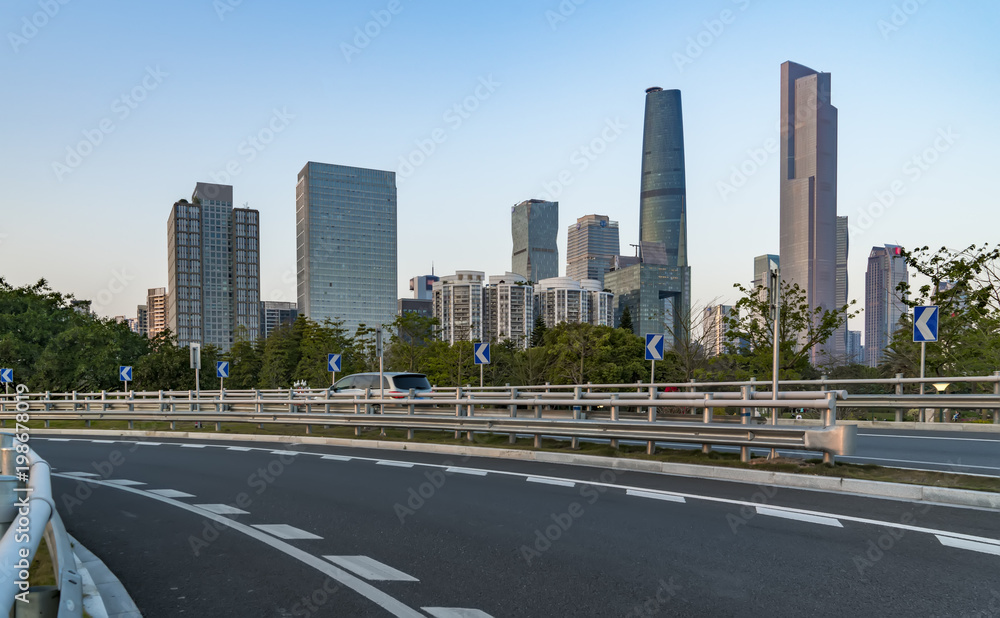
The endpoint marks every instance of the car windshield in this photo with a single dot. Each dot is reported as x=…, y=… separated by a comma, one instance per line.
x=411, y=380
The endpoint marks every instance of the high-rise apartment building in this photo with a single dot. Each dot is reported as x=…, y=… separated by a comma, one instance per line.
x=156, y=311
x=855, y=351
x=884, y=304
x=839, y=346
x=458, y=305
x=808, y=187
x=508, y=309
x=534, y=225
x=713, y=325
x=591, y=246
x=274, y=314
x=346, y=244
x=142, y=320
x=562, y=299
x=213, y=253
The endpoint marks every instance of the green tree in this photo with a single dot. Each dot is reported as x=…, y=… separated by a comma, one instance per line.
x=538, y=333
x=626, y=321
x=409, y=340
x=245, y=361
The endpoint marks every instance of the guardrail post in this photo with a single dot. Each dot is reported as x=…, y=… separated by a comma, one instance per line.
x=830, y=414
x=614, y=417
x=707, y=448
x=458, y=409
x=651, y=444
x=693, y=388
x=357, y=410
x=512, y=438
x=899, y=391
x=410, y=411
x=74, y=402
x=130, y=396
x=575, y=442
x=747, y=392
x=222, y=408
x=538, y=414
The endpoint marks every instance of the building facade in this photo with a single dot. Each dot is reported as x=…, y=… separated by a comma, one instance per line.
x=808, y=187
x=508, y=309
x=458, y=306
x=423, y=286
x=839, y=344
x=421, y=306
x=142, y=320
x=274, y=314
x=663, y=196
x=713, y=325
x=157, y=312
x=762, y=267
x=855, y=351
x=658, y=298
x=213, y=254
x=346, y=244
x=884, y=304
x=591, y=246
x=534, y=227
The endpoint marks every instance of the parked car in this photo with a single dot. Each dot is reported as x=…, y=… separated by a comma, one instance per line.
x=395, y=384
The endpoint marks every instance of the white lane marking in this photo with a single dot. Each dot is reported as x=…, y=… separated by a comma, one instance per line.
x=879, y=435
x=470, y=471
x=125, y=482
x=455, y=612
x=812, y=519
x=985, y=548
x=155, y=443
x=371, y=569
x=222, y=509
x=655, y=495
x=926, y=463
x=239, y=448
x=170, y=493
x=398, y=464
x=81, y=474
x=284, y=531
x=193, y=445
x=103, y=441
x=550, y=481
x=57, y=439
x=286, y=453
x=394, y=606
x=337, y=457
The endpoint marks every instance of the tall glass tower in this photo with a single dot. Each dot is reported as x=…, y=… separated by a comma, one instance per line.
x=534, y=225
x=663, y=197
x=346, y=244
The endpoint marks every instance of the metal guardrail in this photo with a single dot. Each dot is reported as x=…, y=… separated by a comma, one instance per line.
x=575, y=417
x=28, y=518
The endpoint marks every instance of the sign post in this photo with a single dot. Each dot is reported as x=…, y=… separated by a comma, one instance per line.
x=381, y=365
x=196, y=365
x=7, y=377
x=333, y=366
x=125, y=375
x=925, y=328
x=222, y=372
x=481, y=356
x=654, y=352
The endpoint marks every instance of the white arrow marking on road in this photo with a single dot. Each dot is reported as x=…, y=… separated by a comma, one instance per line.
x=651, y=346
x=921, y=324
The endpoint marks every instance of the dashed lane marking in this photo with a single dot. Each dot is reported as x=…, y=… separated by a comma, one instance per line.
x=812, y=519
x=170, y=493
x=222, y=509
x=371, y=569
x=655, y=495
x=286, y=532
x=550, y=481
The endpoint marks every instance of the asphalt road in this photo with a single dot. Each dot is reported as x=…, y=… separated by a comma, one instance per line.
x=415, y=534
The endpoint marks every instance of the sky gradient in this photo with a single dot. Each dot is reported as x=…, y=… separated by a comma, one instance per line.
x=114, y=112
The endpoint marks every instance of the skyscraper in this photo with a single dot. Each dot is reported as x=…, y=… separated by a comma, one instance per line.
x=275, y=314
x=346, y=244
x=213, y=257
x=713, y=325
x=840, y=336
x=808, y=186
x=142, y=320
x=458, y=305
x=762, y=266
x=663, y=197
x=884, y=304
x=156, y=312
x=508, y=309
x=591, y=245
x=534, y=225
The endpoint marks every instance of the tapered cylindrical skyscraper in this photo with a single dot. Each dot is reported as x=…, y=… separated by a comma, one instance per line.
x=663, y=200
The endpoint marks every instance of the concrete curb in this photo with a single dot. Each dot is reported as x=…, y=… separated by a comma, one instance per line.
x=876, y=489
x=103, y=595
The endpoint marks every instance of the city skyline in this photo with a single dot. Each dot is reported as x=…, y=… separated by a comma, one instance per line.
x=905, y=148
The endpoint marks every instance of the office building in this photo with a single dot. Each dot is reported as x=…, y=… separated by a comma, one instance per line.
x=762, y=267
x=808, y=188
x=458, y=306
x=534, y=225
x=213, y=253
x=421, y=306
x=156, y=311
x=274, y=314
x=346, y=244
x=663, y=196
x=508, y=309
x=884, y=304
x=713, y=325
x=591, y=246
x=839, y=345
x=423, y=286
x=855, y=351
x=142, y=320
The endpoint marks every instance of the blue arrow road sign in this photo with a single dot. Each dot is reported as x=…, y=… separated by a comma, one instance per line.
x=481, y=353
x=333, y=362
x=654, y=347
x=925, y=323
x=6, y=376
x=222, y=369
x=125, y=373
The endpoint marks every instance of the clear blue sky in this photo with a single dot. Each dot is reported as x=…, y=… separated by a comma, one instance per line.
x=209, y=79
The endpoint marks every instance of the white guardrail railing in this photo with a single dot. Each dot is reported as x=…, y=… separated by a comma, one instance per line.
x=27, y=514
